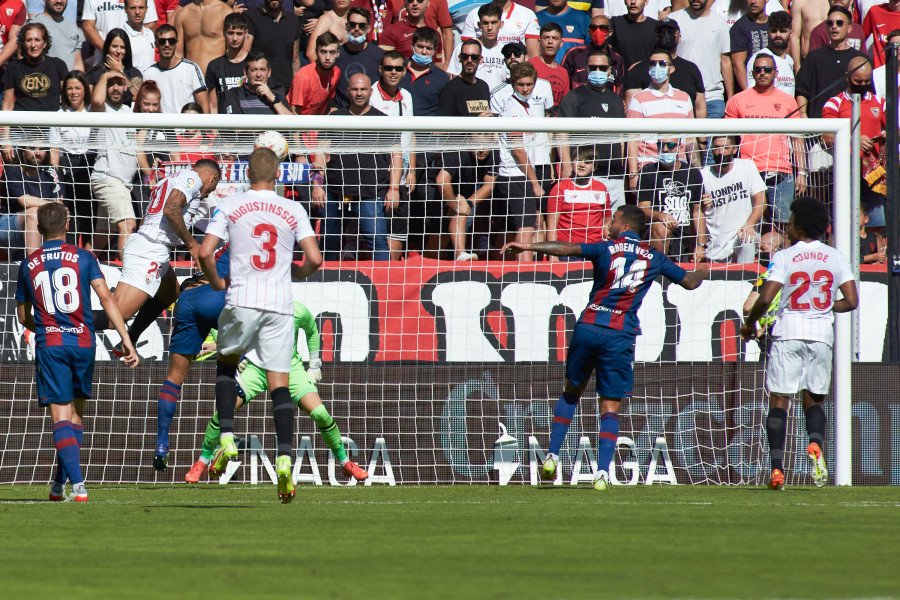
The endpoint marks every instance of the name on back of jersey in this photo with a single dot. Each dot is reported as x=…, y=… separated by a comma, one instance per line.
x=256, y=205
x=57, y=255
x=809, y=255
x=630, y=247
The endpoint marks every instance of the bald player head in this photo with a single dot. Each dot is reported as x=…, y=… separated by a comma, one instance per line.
x=859, y=75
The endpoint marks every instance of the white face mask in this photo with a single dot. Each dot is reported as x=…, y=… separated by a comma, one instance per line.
x=659, y=73
x=357, y=39
x=668, y=158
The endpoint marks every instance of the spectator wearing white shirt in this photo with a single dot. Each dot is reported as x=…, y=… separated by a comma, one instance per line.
x=66, y=35
x=517, y=23
x=143, y=44
x=99, y=17
x=111, y=179
x=734, y=199
x=180, y=81
x=72, y=160
x=394, y=101
x=492, y=69
x=732, y=10
x=779, y=45
x=879, y=74
x=518, y=188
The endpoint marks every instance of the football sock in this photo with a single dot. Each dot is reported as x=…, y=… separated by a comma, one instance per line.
x=776, y=431
x=165, y=410
x=61, y=474
x=330, y=432
x=226, y=395
x=609, y=435
x=211, y=439
x=283, y=415
x=151, y=309
x=67, y=447
x=562, y=418
x=815, y=425
x=101, y=321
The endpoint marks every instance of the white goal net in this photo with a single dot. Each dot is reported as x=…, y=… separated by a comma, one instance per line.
x=443, y=359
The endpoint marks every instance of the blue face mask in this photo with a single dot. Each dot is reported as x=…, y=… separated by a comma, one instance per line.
x=659, y=74
x=520, y=97
x=357, y=39
x=598, y=78
x=668, y=158
x=421, y=59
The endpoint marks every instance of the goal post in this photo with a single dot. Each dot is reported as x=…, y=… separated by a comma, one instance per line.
x=449, y=329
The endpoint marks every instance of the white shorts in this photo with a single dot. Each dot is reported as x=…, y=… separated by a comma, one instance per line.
x=270, y=334
x=796, y=365
x=115, y=196
x=144, y=262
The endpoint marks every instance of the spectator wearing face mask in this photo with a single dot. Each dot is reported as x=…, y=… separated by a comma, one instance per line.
x=669, y=193
x=659, y=101
x=575, y=62
x=733, y=202
x=686, y=75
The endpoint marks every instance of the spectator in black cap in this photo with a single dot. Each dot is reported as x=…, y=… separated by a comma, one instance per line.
x=575, y=62
x=686, y=76
x=514, y=53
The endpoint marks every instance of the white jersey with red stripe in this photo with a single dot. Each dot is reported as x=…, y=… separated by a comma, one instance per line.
x=811, y=274
x=262, y=228
x=155, y=225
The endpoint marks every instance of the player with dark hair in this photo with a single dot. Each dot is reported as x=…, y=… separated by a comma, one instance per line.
x=604, y=337
x=55, y=283
x=262, y=229
x=806, y=274
x=148, y=283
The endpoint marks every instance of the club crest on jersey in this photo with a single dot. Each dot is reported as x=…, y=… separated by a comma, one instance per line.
x=570, y=28
x=875, y=110
x=777, y=106
x=605, y=107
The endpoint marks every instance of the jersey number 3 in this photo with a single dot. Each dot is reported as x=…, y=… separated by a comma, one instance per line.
x=268, y=236
x=631, y=278
x=822, y=301
x=65, y=283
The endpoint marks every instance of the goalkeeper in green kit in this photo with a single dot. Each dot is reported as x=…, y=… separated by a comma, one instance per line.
x=252, y=382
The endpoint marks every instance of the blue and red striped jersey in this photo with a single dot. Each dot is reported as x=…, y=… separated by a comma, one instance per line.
x=56, y=281
x=624, y=269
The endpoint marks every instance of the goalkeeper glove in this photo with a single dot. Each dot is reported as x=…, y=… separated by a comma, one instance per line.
x=315, y=367
x=242, y=365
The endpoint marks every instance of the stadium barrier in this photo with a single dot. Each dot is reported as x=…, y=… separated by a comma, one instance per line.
x=439, y=311
x=457, y=424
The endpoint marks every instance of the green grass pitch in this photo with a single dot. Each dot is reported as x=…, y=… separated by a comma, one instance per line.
x=235, y=542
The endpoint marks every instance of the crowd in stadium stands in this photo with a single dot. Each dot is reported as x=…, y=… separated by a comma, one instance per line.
x=656, y=59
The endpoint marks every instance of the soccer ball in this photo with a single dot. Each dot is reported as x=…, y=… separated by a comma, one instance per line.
x=274, y=141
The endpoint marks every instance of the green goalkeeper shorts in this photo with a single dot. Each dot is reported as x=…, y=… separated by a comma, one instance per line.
x=253, y=381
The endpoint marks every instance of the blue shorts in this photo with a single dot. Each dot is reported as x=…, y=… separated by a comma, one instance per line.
x=63, y=373
x=609, y=352
x=196, y=313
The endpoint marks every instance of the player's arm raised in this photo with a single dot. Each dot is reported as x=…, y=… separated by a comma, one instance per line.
x=850, y=300
x=766, y=296
x=115, y=318
x=313, y=259
x=551, y=248
x=174, y=212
